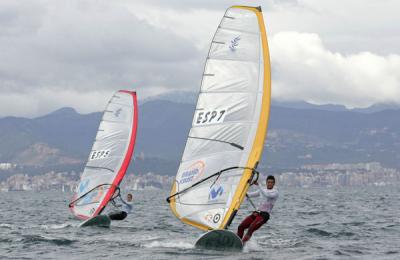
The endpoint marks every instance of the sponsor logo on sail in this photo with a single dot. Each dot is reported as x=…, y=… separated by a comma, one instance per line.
x=193, y=173
x=212, y=218
x=93, y=196
x=84, y=184
x=216, y=218
x=117, y=112
x=99, y=154
x=234, y=43
x=208, y=217
x=208, y=117
x=215, y=192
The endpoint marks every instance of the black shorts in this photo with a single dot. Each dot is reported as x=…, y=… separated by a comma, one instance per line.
x=119, y=215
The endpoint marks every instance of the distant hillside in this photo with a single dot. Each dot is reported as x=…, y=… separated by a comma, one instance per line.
x=316, y=136
x=296, y=136
x=63, y=134
x=188, y=97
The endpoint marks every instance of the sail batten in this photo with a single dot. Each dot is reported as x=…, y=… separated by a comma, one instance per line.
x=229, y=122
x=109, y=157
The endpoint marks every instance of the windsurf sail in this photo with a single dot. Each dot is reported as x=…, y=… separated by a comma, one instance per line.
x=109, y=158
x=229, y=125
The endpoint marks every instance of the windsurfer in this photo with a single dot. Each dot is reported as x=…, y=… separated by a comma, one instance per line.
x=261, y=215
x=126, y=208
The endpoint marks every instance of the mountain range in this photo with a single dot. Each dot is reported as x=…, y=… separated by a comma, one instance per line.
x=298, y=134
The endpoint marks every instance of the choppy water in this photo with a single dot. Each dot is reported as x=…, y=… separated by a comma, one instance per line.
x=306, y=224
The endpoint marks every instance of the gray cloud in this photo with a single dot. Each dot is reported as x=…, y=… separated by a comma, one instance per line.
x=220, y=4
x=17, y=19
x=349, y=27
x=83, y=47
x=76, y=53
x=305, y=70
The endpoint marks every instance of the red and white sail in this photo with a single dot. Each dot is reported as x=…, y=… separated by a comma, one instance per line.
x=110, y=156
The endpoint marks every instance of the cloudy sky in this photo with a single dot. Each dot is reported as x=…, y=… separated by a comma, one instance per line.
x=76, y=53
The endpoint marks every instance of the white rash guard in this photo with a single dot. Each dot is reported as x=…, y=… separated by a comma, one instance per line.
x=125, y=206
x=269, y=198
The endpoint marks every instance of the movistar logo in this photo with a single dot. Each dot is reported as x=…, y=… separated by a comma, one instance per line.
x=116, y=113
x=234, y=43
x=215, y=192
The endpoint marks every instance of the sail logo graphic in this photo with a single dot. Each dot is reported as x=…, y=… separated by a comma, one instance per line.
x=117, y=112
x=209, y=117
x=216, y=218
x=193, y=173
x=215, y=192
x=234, y=43
x=212, y=217
x=92, y=197
x=84, y=184
x=208, y=217
x=100, y=154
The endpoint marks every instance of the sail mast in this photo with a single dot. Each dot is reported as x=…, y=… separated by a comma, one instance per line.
x=263, y=122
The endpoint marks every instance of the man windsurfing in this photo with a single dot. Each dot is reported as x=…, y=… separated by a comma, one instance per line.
x=126, y=208
x=262, y=214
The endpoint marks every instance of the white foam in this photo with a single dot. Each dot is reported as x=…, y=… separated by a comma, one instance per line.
x=56, y=226
x=5, y=225
x=150, y=238
x=279, y=242
x=252, y=246
x=169, y=244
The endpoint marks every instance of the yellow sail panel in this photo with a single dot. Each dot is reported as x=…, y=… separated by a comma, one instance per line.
x=229, y=123
x=263, y=122
x=184, y=220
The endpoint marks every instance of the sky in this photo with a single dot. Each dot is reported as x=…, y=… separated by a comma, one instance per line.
x=76, y=53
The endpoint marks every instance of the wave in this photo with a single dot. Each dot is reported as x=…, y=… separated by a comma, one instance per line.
x=57, y=226
x=37, y=239
x=354, y=223
x=345, y=234
x=252, y=246
x=150, y=238
x=392, y=252
x=6, y=225
x=169, y=244
x=319, y=232
x=5, y=240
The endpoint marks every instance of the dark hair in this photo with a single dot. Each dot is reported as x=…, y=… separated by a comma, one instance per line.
x=271, y=177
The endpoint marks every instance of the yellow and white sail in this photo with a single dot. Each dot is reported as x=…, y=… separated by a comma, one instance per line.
x=229, y=125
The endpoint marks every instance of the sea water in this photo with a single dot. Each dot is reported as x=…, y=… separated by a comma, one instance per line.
x=312, y=223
